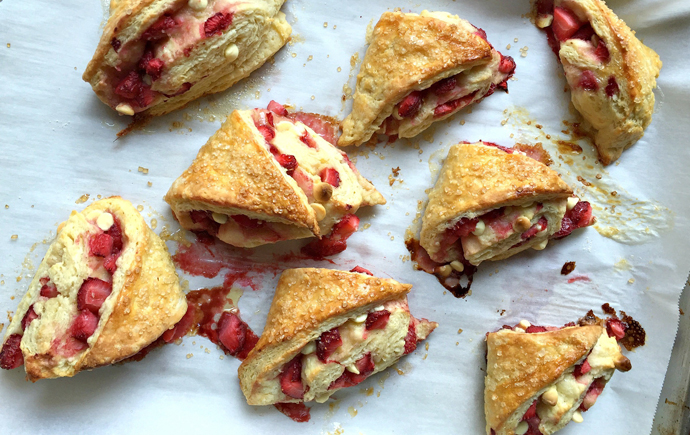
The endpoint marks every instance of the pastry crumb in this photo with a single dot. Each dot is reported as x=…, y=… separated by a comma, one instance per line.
x=460, y=331
x=149, y=184
x=143, y=170
x=189, y=355
x=82, y=199
x=14, y=237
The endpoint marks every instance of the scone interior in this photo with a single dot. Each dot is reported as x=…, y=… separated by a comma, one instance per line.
x=170, y=46
x=321, y=174
x=573, y=393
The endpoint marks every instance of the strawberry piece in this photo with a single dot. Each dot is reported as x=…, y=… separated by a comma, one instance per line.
x=360, y=269
x=291, y=378
x=297, y=412
x=410, y=105
x=588, y=81
x=507, y=65
x=101, y=245
x=115, y=231
x=232, y=332
x=335, y=242
x=11, y=355
x=444, y=86
x=267, y=132
x=158, y=30
x=544, y=7
x=287, y=161
x=130, y=86
x=277, y=108
x=198, y=216
x=579, y=216
x=151, y=65
x=612, y=87
x=565, y=23
x=308, y=140
x=330, y=176
x=615, y=328
x=217, y=24
x=500, y=147
x=541, y=225
x=410, y=339
x=531, y=411
x=327, y=343
x=92, y=294
x=324, y=126
x=115, y=43
x=49, y=291
x=182, y=327
x=364, y=365
x=481, y=33
x=248, y=222
x=29, y=317
x=585, y=33
x=592, y=394
x=269, y=119
x=451, y=106
x=304, y=182
x=377, y=320
x=534, y=328
x=84, y=325
x=582, y=369
x=110, y=263
x=601, y=52
x=464, y=227
x=146, y=96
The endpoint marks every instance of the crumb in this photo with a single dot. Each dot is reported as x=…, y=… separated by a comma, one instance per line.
x=14, y=237
x=82, y=199
x=149, y=184
x=189, y=355
x=460, y=331
x=568, y=267
x=143, y=170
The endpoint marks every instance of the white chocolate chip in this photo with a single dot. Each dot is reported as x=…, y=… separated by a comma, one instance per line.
x=352, y=368
x=522, y=224
x=457, y=266
x=507, y=211
x=198, y=5
x=521, y=428
x=479, y=230
x=572, y=202
x=524, y=324
x=232, y=52
x=544, y=21
x=309, y=348
x=518, y=329
x=323, y=192
x=105, y=221
x=379, y=308
x=550, y=397
x=541, y=245
x=219, y=217
x=444, y=270
x=147, y=79
x=125, y=109
x=361, y=318
x=577, y=417
x=319, y=211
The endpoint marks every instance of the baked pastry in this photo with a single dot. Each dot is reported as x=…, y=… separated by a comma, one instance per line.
x=155, y=56
x=491, y=202
x=419, y=69
x=266, y=176
x=327, y=330
x=539, y=378
x=611, y=74
x=105, y=289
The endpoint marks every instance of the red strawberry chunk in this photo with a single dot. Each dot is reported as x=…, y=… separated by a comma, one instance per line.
x=84, y=325
x=531, y=411
x=588, y=81
x=92, y=294
x=533, y=329
x=291, y=378
x=101, y=245
x=364, y=365
x=507, y=65
x=146, y=96
x=308, y=140
x=360, y=269
x=585, y=33
x=500, y=147
x=198, y=216
x=481, y=33
x=324, y=126
x=130, y=86
x=579, y=216
x=444, y=86
x=377, y=320
x=287, y=161
x=544, y=7
x=451, y=106
x=115, y=44
x=330, y=176
x=11, y=355
x=110, y=263
x=615, y=328
x=297, y=412
x=540, y=226
x=151, y=65
x=248, y=222
x=115, y=231
x=49, y=291
x=601, y=52
x=612, y=87
x=327, y=343
x=232, y=332
x=269, y=119
x=565, y=23
x=277, y=108
x=592, y=394
x=182, y=327
x=410, y=339
x=335, y=242
x=158, y=30
x=464, y=227
x=28, y=317
x=582, y=369
x=267, y=132
x=217, y=24
x=410, y=105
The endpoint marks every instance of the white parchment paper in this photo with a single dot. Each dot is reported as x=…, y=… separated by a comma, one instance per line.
x=58, y=144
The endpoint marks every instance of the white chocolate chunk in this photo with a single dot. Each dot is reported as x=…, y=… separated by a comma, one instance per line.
x=198, y=5
x=379, y=308
x=125, y=109
x=541, y=245
x=577, y=417
x=232, y=52
x=309, y=348
x=323, y=192
x=524, y=324
x=544, y=21
x=105, y=221
x=521, y=428
x=550, y=396
x=445, y=270
x=457, y=266
x=352, y=368
x=479, y=230
x=319, y=211
x=572, y=202
x=361, y=318
x=219, y=217
x=522, y=224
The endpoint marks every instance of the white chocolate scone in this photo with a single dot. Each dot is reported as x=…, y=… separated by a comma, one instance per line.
x=105, y=289
x=610, y=72
x=491, y=202
x=328, y=330
x=266, y=177
x=155, y=56
x=543, y=379
x=419, y=69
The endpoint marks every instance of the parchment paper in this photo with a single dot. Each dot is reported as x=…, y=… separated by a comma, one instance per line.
x=58, y=144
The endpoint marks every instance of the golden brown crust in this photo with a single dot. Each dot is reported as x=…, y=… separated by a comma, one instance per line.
x=407, y=52
x=519, y=365
x=235, y=170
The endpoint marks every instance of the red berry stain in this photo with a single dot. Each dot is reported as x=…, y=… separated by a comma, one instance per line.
x=296, y=411
x=579, y=278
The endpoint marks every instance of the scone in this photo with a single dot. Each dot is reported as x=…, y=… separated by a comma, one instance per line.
x=155, y=56
x=491, y=202
x=328, y=330
x=419, y=69
x=266, y=176
x=611, y=74
x=539, y=378
x=105, y=289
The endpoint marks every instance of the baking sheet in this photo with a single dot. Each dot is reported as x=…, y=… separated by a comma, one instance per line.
x=58, y=145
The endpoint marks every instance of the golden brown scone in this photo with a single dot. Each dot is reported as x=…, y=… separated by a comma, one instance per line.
x=419, y=69
x=610, y=72
x=492, y=202
x=541, y=377
x=265, y=177
x=155, y=56
x=326, y=330
x=106, y=289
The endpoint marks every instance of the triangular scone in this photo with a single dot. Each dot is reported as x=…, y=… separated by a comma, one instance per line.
x=105, y=289
x=155, y=56
x=541, y=378
x=492, y=202
x=419, y=69
x=610, y=72
x=266, y=177
x=327, y=330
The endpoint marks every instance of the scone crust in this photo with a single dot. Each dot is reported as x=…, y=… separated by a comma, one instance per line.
x=307, y=300
x=476, y=178
x=407, y=52
x=528, y=363
x=235, y=170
